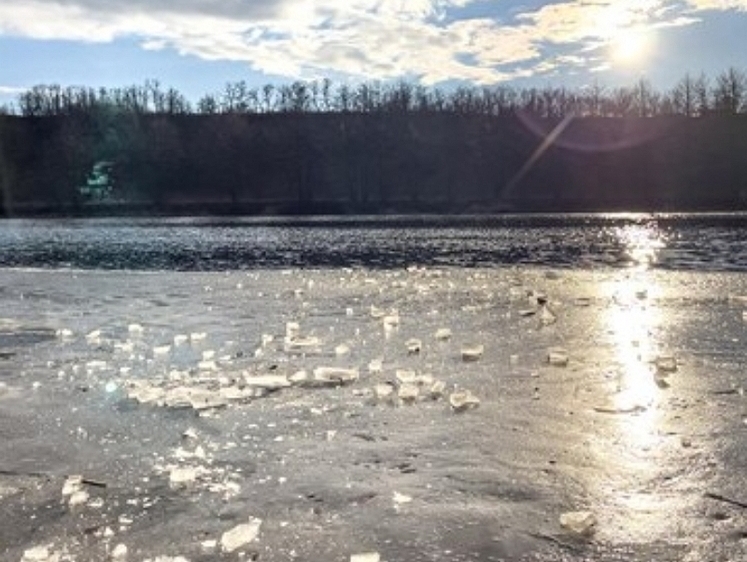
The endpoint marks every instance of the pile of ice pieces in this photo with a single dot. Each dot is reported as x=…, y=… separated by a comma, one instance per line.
x=408, y=387
x=191, y=467
x=41, y=554
x=207, y=389
x=181, y=389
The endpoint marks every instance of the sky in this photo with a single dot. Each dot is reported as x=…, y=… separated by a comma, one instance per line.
x=197, y=46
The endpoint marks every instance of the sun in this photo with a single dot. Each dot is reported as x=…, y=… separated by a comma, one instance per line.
x=630, y=46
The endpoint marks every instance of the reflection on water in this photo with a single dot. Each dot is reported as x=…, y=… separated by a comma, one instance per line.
x=632, y=321
x=642, y=243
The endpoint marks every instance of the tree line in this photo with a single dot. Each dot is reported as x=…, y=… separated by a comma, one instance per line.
x=692, y=96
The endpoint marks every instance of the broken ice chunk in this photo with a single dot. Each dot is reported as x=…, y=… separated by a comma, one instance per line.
x=463, y=400
x=40, y=554
x=268, y=382
x=333, y=376
x=377, y=312
x=405, y=377
x=94, y=337
x=299, y=377
x=197, y=336
x=72, y=484
x=442, y=334
x=302, y=345
x=437, y=390
x=384, y=392
x=401, y=498
x=408, y=393
x=342, y=349
x=180, y=339
x=135, y=329
x=183, y=477
x=207, y=366
x=391, y=320
x=557, y=356
x=666, y=363
x=292, y=330
x=64, y=333
x=375, y=366
x=161, y=349
x=119, y=554
x=365, y=557
x=581, y=523
x=240, y=535
x=190, y=433
x=78, y=497
x=414, y=346
x=547, y=317
x=472, y=352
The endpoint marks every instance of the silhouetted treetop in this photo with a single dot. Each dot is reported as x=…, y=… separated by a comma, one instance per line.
x=691, y=97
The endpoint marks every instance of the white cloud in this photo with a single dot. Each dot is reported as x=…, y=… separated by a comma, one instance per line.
x=718, y=4
x=11, y=90
x=376, y=39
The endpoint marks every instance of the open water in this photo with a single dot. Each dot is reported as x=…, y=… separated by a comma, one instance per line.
x=711, y=242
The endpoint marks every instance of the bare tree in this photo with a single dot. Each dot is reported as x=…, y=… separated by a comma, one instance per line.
x=207, y=105
x=729, y=94
x=684, y=96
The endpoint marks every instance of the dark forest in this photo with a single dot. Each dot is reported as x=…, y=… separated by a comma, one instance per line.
x=313, y=147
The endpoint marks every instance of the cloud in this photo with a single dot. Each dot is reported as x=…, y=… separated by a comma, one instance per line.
x=723, y=5
x=435, y=40
x=11, y=90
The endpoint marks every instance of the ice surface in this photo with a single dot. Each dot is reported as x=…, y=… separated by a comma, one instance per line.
x=226, y=427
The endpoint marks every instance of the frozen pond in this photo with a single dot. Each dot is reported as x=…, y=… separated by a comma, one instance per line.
x=281, y=413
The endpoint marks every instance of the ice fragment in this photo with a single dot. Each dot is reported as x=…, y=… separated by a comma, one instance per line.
x=442, y=334
x=557, y=356
x=666, y=363
x=463, y=400
x=408, y=393
x=547, y=317
x=240, y=535
x=119, y=554
x=414, y=346
x=366, y=557
x=437, y=390
x=581, y=523
x=269, y=382
x=375, y=366
x=40, y=554
x=333, y=376
x=384, y=392
x=472, y=352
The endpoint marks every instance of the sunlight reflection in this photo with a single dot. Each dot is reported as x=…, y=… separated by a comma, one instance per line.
x=631, y=321
x=642, y=243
